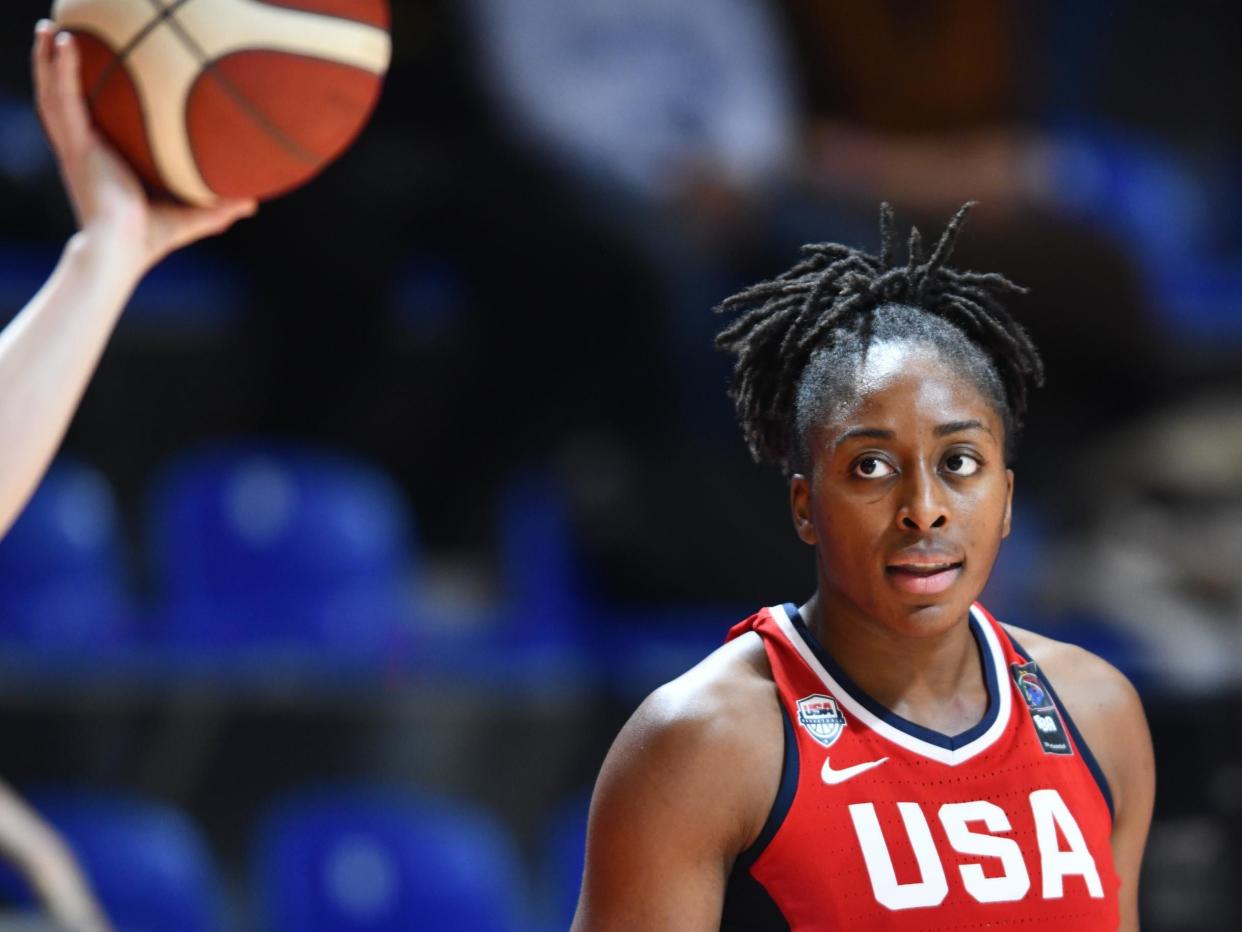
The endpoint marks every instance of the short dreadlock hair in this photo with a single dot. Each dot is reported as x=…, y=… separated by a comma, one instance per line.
x=800, y=337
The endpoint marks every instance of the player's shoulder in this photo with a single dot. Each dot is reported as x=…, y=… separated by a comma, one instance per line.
x=712, y=740
x=719, y=703
x=1081, y=678
x=1103, y=703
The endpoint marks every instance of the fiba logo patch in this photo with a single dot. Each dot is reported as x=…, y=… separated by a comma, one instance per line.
x=1033, y=691
x=1045, y=715
x=821, y=718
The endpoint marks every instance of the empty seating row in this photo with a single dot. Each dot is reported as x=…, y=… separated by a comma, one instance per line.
x=349, y=858
x=279, y=546
x=246, y=544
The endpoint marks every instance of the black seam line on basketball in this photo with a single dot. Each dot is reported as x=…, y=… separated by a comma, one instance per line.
x=162, y=14
x=305, y=156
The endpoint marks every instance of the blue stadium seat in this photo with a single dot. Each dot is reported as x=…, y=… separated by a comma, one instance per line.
x=539, y=570
x=1132, y=186
x=370, y=860
x=564, y=856
x=551, y=611
x=282, y=546
x=640, y=648
x=147, y=861
x=1198, y=301
x=189, y=294
x=62, y=566
x=538, y=634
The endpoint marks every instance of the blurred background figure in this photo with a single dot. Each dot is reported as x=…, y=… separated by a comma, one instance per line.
x=387, y=508
x=928, y=106
x=654, y=98
x=676, y=128
x=1163, y=540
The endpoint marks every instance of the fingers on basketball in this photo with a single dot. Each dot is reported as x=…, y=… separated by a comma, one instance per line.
x=56, y=66
x=68, y=64
x=41, y=64
x=230, y=99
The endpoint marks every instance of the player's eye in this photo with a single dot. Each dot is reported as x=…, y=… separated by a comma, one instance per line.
x=872, y=467
x=961, y=464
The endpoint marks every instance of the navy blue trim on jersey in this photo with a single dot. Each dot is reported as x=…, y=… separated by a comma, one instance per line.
x=948, y=742
x=1083, y=749
x=749, y=907
x=784, y=798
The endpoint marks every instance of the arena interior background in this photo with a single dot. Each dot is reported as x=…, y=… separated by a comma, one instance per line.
x=477, y=486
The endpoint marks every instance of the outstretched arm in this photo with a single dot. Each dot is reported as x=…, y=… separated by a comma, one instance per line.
x=50, y=349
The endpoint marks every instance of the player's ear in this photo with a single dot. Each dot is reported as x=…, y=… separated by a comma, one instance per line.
x=1008, y=503
x=800, y=508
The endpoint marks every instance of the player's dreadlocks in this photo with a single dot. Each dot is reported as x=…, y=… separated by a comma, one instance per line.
x=800, y=336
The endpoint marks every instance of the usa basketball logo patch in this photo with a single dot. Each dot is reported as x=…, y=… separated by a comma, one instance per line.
x=819, y=715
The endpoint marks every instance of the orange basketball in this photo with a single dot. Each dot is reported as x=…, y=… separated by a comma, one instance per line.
x=229, y=98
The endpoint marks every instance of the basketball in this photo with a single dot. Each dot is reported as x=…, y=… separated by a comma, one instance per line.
x=229, y=98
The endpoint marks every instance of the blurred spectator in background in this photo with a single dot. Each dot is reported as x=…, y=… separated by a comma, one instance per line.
x=1160, y=558
x=673, y=129
x=728, y=133
x=926, y=106
x=673, y=102
x=684, y=105
x=717, y=137
x=916, y=102
x=676, y=123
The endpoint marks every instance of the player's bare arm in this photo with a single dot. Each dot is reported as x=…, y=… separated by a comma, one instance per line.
x=41, y=856
x=687, y=787
x=47, y=355
x=1110, y=716
x=50, y=349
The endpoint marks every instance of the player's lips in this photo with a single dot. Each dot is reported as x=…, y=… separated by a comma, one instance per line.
x=924, y=572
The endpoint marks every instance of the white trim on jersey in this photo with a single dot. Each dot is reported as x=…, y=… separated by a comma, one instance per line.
x=998, y=688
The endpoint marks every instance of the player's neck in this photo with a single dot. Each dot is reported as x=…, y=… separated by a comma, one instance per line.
x=935, y=681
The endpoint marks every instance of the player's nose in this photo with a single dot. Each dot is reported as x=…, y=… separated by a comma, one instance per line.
x=922, y=505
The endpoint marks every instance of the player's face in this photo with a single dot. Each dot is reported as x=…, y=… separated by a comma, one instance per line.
x=908, y=497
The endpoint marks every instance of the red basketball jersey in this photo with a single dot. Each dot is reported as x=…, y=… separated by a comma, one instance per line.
x=881, y=824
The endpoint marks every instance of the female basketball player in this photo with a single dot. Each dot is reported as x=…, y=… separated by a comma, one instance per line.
x=47, y=355
x=886, y=755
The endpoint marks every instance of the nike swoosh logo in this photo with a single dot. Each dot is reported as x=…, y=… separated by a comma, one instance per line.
x=833, y=777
